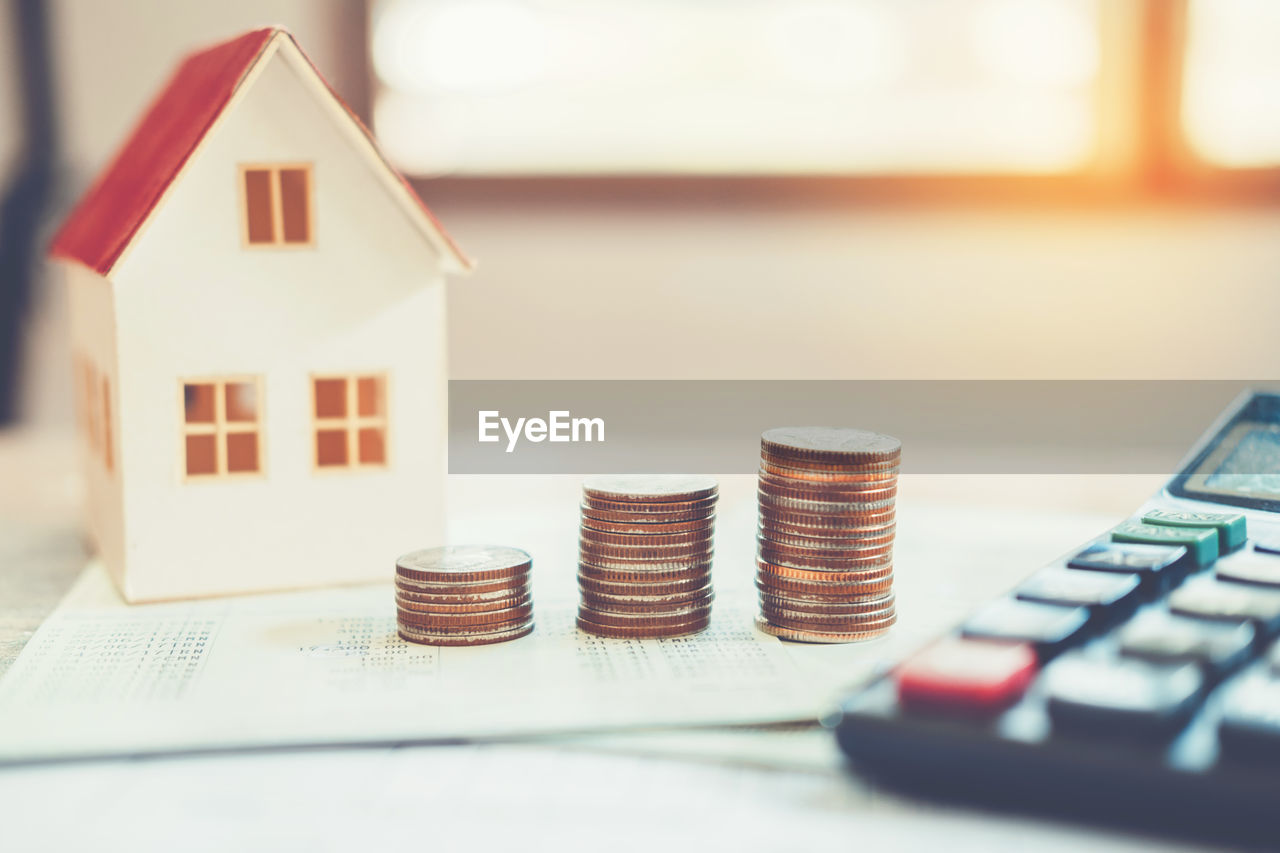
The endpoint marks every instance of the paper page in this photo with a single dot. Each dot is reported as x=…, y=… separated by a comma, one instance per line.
x=326, y=667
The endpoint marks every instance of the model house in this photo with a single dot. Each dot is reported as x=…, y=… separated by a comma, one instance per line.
x=258, y=317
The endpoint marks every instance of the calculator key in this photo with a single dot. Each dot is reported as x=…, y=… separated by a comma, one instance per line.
x=967, y=676
x=1230, y=525
x=1107, y=595
x=1218, y=647
x=1049, y=628
x=1250, y=567
x=1268, y=545
x=1121, y=694
x=1152, y=563
x=1201, y=542
x=1210, y=598
x=1250, y=724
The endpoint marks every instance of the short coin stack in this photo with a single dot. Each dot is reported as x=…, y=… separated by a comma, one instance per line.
x=825, y=537
x=644, y=565
x=464, y=595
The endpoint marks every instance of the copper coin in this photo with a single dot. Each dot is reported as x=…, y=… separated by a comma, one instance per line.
x=808, y=520
x=646, y=540
x=644, y=632
x=846, y=530
x=645, y=608
x=698, y=525
x=858, y=551
x=810, y=620
x=650, y=488
x=657, y=618
x=642, y=566
x=782, y=585
x=643, y=553
x=793, y=559
x=630, y=601
x=645, y=574
x=690, y=584
x=866, y=633
x=436, y=604
x=766, y=569
x=804, y=540
x=463, y=563
x=836, y=605
x=836, y=479
x=429, y=639
x=841, y=445
x=444, y=620
x=847, y=509
x=649, y=515
x=808, y=490
x=659, y=508
x=818, y=465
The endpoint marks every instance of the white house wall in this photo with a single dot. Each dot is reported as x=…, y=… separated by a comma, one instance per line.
x=93, y=342
x=193, y=302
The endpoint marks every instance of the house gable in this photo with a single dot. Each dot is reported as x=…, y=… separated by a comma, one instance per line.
x=113, y=214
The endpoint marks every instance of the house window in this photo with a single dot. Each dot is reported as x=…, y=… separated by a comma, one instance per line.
x=221, y=421
x=277, y=205
x=108, y=454
x=350, y=420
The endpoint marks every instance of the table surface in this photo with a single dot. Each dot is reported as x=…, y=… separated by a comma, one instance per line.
x=753, y=788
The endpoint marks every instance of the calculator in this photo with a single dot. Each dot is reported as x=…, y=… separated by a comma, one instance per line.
x=1134, y=680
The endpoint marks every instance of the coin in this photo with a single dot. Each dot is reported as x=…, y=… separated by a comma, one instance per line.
x=777, y=556
x=693, y=583
x=831, y=492
x=810, y=620
x=810, y=506
x=830, y=444
x=840, y=605
x=651, y=604
x=646, y=574
x=698, y=525
x=836, y=479
x=877, y=583
x=657, y=508
x=437, y=604
x=650, y=488
x=873, y=468
x=649, y=515
x=766, y=569
x=609, y=554
x=441, y=621
x=867, y=633
x=430, y=638
x=646, y=540
x=463, y=563
x=821, y=543
x=477, y=591
x=637, y=633
x=657, y=619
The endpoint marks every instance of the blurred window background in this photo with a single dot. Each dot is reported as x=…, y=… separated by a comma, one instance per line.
x=895, y=173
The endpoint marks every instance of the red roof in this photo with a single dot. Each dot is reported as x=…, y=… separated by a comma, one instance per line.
x=105, y=221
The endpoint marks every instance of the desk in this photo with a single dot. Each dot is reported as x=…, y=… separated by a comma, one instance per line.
x=755, y=789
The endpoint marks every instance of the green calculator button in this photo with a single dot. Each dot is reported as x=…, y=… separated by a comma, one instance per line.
x=1201, y=542
x=1230, y=525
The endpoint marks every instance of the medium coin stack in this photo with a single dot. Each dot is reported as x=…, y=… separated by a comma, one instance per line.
x=464, y=595
x=825, y=537
x=644, y=565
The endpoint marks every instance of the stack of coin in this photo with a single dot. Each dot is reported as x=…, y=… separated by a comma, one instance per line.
x=464, y=595
x=825, y=537
x=644, y=565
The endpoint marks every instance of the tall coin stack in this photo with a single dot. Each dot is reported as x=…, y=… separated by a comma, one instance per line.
x=825, y=537
x=644, y=565
x=464, y=595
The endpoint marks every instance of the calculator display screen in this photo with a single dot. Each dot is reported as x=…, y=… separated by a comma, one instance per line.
x=1245, y=464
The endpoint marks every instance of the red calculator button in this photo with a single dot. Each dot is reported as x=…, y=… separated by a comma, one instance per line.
x=966, y=675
